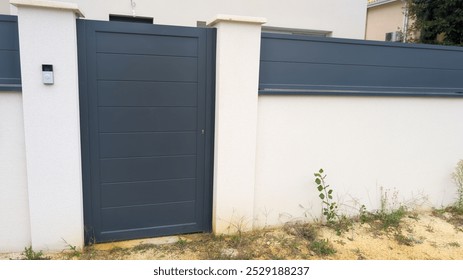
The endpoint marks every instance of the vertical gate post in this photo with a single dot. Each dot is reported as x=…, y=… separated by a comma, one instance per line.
x=237, y=79
x=47, y=35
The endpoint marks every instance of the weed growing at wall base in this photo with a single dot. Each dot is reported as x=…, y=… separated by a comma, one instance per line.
x=388, y=216
x=329, y=207
x=30, y=254
x=322, y=247
x=340, y=223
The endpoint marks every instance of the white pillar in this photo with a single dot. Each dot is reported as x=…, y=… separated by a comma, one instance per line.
x=14, y=203
x=237, y=79
x=47, y=35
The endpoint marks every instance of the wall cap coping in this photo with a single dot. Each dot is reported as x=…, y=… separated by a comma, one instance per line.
x=48, y=4
x=239, y=19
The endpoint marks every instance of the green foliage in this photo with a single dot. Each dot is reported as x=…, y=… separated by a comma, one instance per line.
x=392, y=218
x=73, y=251
x=322, y=247
x=181, y=243
x=30, y=254
x=329, y=207
x=363, y=214
x=437, y=21
x=388, y=216
x=385, y=219
x=340, y=223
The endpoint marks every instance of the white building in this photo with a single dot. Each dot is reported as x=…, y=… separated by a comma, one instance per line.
x=336, y=18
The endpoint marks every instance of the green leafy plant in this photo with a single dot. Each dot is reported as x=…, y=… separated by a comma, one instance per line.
x=389, y=215
x=391, y=218
x=181, y=243
x=329, y=207
x=30, y=254
x=363, y=214
x=73, y=251
x=322, y=247
x=384, y=219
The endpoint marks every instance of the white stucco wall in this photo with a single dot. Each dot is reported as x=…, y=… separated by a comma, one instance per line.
x=345, y=18
x=4, y=7
x=14, y=203
x=405, y=145
x=235, y=122
x=51, y=123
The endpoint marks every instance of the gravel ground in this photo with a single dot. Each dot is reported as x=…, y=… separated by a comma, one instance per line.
x=420, y=236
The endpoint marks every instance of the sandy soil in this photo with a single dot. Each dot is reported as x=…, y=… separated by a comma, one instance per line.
x=420, y=236
x=425, y=237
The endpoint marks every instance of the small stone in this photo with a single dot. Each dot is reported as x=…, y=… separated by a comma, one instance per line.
x=229, y=252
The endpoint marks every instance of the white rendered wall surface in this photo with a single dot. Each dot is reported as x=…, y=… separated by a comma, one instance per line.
x=51, y=123
x=407, y=146
x=14, y=203
x=4, y=7
x=235, y=122
x=344, y=18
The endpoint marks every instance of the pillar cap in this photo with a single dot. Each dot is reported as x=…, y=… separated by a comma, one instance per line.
x=232, y=18
x=48, y=4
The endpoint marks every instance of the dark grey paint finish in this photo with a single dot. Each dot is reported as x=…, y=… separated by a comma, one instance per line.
x=10, y=69
x=149, y=168
x=147, y=144
x=146, y=96
x=147, y=44
x=141, y=193
x=113, y=93
x=133, y=119
x=148, y=216
x=293, y=64
x=144, y=67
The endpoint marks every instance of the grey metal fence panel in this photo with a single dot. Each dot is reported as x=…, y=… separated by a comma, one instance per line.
x=10, y=69
x=293, y=64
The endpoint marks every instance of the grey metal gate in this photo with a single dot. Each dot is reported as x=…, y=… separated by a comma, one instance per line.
x=146, y=97
x=10, y=69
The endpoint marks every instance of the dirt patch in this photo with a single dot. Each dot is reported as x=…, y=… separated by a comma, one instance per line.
x=420, y=236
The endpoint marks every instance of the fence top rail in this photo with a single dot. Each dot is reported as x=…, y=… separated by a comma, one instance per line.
x=359, y=42
x=8, y=18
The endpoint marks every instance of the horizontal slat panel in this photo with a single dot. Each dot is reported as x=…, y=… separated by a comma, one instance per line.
x=146, y=68
x=147, y=216
x=146, y=169
x=132, y=119
x=351, y=75
x=136, y=93
x=139, y=193
x=147, y=144
x=146, y=44
x=9, y=39
x=359, y=53
x=9, y=65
